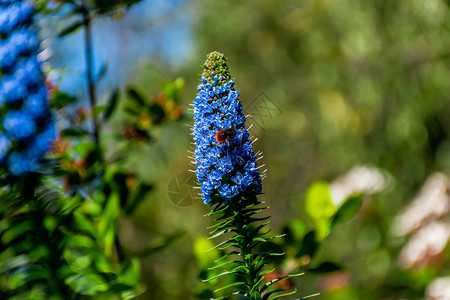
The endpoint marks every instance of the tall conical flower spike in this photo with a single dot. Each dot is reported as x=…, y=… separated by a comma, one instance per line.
x=226, y=163
x=230, y=182
x=26, y=126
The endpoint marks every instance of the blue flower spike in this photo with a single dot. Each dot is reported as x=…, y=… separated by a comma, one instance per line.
x=230, y=183
x=226, y=163
x=26, y=126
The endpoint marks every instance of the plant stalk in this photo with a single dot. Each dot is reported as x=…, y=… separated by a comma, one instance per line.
x=247, y=255
x=93, y=101
x=90, y=78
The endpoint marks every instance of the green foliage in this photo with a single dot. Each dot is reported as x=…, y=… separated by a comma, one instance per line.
x=357, y=83
x=320, y=208
x=59, y=227
x=322, y=211
x=60, y=100
x=71, y=28
x=348, y=209
x=147, y=113
x=205, y=253
x=309, y=245
x=51, y=251
x=247, y=265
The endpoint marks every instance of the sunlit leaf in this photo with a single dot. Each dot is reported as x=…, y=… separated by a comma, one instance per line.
x=320, y=208
x=89, y=284
x=205, y=258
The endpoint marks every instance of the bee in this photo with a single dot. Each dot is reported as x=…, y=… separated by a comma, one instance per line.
x=225, y=135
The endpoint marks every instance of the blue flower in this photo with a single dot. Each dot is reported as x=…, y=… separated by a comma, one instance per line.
x=36, y=104
x=27, y=127
x=21, y=163
x=226, y=163
x=42, y=142
x=4, y=147
x=10, y=89
x=18, y=125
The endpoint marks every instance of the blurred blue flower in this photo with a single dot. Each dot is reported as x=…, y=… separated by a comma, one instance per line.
x=4, y=146
x=21, y=163
x=41, y=143
x=10, y=89
x=36, y=104
x=226, y=163
x=27, y=127
x=18, y=125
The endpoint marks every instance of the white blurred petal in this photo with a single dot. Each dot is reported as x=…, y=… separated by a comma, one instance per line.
x=432, y=202
x=425, y=244
x=360, y=179
x=439, y=289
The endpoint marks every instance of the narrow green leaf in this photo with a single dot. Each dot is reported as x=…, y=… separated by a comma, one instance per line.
x=16, y=231
x=266, y=272
x=348, y=209
x=102, y=72
x=259, y=239
x=227, y=255
x=74, y=132
x=284, y=295
x=278, y=279
x=229, y=285
x=275, y=237
x=221, y=224
x=112, y=104
x=107, y=224
x=268, y=294
x=310, y=296
x=71, y=28
x=225, y=264
x=243, y=293
x=234, y=271
x=256, y=285
x=219, y=234
x=131, y=110
x=136, y=96
x=230, y=243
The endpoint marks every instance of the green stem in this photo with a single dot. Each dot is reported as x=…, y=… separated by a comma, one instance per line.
x=85, y=11
x=247, y=255
x=237, y=216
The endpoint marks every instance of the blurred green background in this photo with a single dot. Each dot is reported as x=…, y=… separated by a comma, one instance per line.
x=333, y=86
